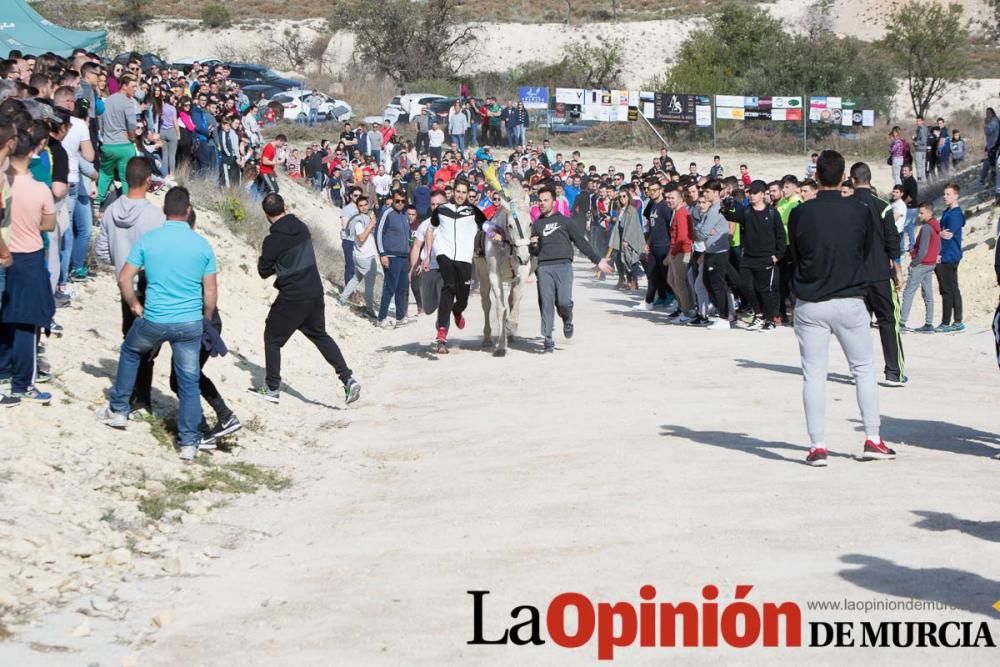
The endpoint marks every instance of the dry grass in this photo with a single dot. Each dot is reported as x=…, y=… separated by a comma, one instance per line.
x=520, y=11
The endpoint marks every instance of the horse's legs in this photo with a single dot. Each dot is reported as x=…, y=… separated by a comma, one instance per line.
x=484, y=295
x=499, y=303
x=516, y=292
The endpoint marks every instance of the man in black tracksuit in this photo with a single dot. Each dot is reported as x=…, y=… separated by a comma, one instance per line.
x=553, y=236
x=762, y=236
x=658, y=215
x=884, y=274
x=288, y=253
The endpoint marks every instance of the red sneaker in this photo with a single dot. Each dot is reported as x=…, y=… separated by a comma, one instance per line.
x=877, y=451
x=459, y=320
x=442, y=336
x=817, y=457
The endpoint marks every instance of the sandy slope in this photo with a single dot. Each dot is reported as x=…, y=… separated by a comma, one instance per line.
x=638, y=453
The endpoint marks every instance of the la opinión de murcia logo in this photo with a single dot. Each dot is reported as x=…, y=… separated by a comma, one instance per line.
x=573, y=620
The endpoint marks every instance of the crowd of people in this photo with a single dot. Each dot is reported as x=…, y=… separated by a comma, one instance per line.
x=716, y=250
x=83, y=142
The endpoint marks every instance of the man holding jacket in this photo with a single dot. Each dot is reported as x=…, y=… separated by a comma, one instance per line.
x=288, y=254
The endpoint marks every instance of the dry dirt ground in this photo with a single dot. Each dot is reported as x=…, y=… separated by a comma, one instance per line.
x=639, y=453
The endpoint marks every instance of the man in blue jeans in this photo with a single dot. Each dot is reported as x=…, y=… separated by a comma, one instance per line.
x=392, y=238
x=181, y=291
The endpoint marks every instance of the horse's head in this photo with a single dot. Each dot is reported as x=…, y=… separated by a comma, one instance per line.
x=518, y=230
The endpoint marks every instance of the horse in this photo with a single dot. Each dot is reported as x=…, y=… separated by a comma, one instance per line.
x=505, y=260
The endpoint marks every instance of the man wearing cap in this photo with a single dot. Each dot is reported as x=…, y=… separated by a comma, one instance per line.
x=763, y=238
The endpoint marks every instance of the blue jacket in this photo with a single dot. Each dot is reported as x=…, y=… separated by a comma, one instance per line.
x=951, y=249
x=392, y=233
x=200, y=119
x=422, y=200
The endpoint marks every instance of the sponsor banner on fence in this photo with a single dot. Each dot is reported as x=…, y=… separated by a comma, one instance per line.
x=533, y=98
x=841, y=111
x=570, y=95
x=731, y=101
x=683, y=109
x=729, y=113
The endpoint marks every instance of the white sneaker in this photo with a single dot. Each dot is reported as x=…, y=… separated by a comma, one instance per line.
x=187, y=452
x=112, y=419
x=755, y=324
x=643, y=305
x=403, y=322
x=719, y=325
x=682, y=319
x=384, y=324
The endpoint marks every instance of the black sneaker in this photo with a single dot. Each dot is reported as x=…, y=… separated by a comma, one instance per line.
x=352, y=391
x=228, y=427
x=699, y=321
x=9, y=401
x=769, y=326
x=549, y=346
x=568, y=328
x=62, y=300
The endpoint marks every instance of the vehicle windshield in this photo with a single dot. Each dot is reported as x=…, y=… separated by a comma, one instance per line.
x=270, y=74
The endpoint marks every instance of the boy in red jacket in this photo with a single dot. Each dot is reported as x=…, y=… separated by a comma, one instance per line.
x=680, y=254
x=924, y=256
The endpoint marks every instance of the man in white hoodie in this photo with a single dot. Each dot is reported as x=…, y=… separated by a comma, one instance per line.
x=124, y=221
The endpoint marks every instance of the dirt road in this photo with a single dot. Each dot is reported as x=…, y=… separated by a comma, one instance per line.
x=639, y=453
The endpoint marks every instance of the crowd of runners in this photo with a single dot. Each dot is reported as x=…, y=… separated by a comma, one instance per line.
x=714, y=249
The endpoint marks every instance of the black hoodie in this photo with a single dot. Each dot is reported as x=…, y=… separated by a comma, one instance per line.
x=288, y=253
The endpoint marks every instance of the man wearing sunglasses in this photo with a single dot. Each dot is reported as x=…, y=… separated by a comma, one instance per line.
x=392, y=238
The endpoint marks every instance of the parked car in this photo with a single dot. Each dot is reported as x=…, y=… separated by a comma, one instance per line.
x=414, y=103
x=440, y=108
x=148, y=60
x=296, y=109
x=259, y=79
x=185, y=64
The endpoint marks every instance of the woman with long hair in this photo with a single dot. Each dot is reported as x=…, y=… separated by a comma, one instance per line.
x=169, y=132
x=626, y=240
x=897, y=153
x=185, y=143
x=114, y=78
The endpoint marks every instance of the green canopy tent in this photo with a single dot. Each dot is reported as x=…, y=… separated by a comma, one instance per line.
x=24, y=29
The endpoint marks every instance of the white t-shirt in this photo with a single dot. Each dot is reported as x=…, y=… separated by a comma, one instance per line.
x=346, y=213
x=899, y=214
x=363, y=252
x=421, y=233
x=77, y=134
x=382, y=184
x=435, y=138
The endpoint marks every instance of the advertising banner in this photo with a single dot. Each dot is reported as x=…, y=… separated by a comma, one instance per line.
x=533, y=98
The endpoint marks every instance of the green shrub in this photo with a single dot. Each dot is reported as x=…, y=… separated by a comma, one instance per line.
x=215, y=15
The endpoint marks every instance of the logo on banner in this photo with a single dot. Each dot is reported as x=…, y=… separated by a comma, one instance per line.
x=533, y=98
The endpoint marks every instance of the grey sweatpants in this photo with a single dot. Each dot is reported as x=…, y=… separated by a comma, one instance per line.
x=848, y=320
x=555, y=292
x=922, y=276
x=430, y=290
x=366, y=270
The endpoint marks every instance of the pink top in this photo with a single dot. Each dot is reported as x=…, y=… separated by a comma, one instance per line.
x=30, y=200
x=185, y=119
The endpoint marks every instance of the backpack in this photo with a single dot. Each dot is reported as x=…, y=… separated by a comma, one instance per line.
x=958, y=150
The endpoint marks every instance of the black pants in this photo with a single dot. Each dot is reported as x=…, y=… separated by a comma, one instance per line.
x=456, y=278
x=759, y=287
x=786, y=268
x=267, y=183
x=951, y=297
x=883, y=301
x=143, y=387
x=656, y=274
x=422, y=142
x=715, y=268
x=495, y=135
x=208, y=390
x=309, y=317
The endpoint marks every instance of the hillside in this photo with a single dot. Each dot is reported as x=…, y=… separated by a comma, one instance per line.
x=83, y=506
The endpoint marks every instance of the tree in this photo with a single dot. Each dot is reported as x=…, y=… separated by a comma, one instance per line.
x=130, y=15
x=990, y=23
x=817, y=20
x=712, y=60
x=404, y=39
x=925, y=40
x=595, y=65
